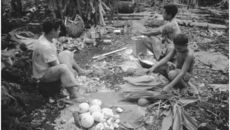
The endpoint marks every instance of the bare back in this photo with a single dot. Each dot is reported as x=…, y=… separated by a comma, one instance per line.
x=180, y=59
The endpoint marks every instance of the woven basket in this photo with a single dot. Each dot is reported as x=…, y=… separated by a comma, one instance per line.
x=76, y=27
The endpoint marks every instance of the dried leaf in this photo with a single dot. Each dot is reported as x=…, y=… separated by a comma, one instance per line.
x=187, y=101
x=77, y=119
x=127, y=125
x=167, y=122
x=195, y=90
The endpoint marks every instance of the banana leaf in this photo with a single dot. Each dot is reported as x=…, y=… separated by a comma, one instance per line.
x=167, y=121
x=188, y=121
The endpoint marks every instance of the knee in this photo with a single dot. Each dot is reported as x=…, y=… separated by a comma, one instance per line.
x=172, y=74
x=65, y=54
x=63, y=68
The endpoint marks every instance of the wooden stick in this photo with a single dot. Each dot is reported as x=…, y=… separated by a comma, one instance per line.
x=200, y=24
x=105, y=54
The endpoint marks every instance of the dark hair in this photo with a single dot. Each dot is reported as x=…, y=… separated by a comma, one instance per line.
x=51, y=23
x=171, y=9
x=180, y=39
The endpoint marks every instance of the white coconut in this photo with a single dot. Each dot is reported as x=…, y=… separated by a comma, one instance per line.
x=94, y=108
x=83, y=114
x=98, y=116
x=96, y=102
x=107, y=112
x=99, y=126
x=86, y=120
x=83, y=107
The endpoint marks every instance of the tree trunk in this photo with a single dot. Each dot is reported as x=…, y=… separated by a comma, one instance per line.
x=16, y=8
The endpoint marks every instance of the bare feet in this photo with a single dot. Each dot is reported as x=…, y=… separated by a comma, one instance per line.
x=76, y=94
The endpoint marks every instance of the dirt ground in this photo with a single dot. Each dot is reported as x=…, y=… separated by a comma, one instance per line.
x=46, y=114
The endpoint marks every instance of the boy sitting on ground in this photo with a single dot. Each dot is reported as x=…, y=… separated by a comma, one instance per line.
x=49, y=66
x=152, y=43
x=180, y=72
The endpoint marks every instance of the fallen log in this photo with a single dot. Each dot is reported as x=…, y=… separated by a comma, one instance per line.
x=131, y=15
x=129, y=18
x=201, y=24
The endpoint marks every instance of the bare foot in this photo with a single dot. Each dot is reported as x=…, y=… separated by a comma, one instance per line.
x=73, y=91
x=86, y=72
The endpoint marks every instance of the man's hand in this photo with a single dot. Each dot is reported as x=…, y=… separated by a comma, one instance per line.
x=150, y=70
x=145, y=33
x=167, y=88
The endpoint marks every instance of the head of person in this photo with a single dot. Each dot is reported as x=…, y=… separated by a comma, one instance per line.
x=52, y=27
x=168, y=33
x=181, y=43
x=170, y=11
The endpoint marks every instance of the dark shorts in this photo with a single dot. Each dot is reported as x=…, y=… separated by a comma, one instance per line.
x=49, y=89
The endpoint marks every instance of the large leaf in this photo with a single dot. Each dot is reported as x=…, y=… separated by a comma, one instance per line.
x=139, y=79
x=144, y=80
x=177, y=122
x=188, y=121
x=167, y=121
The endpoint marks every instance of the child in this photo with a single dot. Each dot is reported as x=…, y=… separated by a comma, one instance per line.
x=169, y=15
x=154, y=43
x=49, y=66
x=180, y=72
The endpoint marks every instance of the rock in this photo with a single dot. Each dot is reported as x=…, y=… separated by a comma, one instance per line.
x=143, y=102
x=216, y=61
x=119, y=110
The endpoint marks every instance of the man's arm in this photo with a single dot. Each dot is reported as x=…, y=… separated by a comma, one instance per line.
x=185, y=68
x=163, y=61
x=154, y=32
x=78, y=68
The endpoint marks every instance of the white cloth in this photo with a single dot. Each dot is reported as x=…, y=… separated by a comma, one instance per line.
x=44, y=52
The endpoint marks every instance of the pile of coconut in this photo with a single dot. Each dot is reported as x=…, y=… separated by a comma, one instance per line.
x=92, y=116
